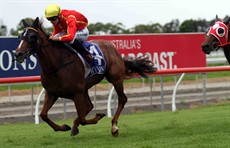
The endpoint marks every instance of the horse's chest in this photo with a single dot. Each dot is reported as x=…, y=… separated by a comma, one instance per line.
x=59, y=89
x=61, y=92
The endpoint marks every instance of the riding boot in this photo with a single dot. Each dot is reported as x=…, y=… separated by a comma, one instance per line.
x=78, y=46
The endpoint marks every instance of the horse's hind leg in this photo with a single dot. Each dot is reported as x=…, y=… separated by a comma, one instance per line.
x=48, y=103
x=122, y=99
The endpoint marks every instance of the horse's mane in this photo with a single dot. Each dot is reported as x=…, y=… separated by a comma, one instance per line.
x=41, y=28
x=53, y=43
x=228, y=32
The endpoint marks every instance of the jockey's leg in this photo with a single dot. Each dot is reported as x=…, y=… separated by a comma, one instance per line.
x=78, y=46
x=76, y=43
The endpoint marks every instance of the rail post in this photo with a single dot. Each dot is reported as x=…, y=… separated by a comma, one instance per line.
x=37, y=106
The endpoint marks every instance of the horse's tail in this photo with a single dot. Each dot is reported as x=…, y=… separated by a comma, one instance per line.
x=140, y=65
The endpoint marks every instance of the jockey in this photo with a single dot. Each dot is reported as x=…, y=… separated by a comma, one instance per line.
x=69, y=26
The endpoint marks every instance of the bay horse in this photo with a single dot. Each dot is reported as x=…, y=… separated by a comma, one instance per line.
x=63, y=75
x=218, y=37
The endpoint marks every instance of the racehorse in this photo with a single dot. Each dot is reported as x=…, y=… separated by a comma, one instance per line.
x=217, y=37
x=63, y=75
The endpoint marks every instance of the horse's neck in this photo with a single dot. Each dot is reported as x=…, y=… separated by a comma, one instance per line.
x=227, y=48
x=48, y=58
x=52, y=58
x=227, y=52
x=53, y=55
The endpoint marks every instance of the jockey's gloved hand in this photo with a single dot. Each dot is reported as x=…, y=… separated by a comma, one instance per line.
x=55, y=38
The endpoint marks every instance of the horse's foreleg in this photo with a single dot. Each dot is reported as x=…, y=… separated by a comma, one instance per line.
x=48, y=103
x=77, y=122
x=83, y=110
x=122, y=99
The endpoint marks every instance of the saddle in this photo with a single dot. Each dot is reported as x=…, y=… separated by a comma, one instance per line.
x=98, y=65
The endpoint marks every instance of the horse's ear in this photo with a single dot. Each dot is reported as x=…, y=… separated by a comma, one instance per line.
x=216, y=19
x=25, y=23
x=36, y=23
x=227, y=21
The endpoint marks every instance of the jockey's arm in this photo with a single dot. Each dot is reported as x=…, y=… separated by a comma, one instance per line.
x=71, y=30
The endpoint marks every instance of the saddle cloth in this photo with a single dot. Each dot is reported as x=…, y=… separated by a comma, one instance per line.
x=98, y=66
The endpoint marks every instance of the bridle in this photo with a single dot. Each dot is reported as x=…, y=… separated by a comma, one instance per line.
x=220, y=31
x=36, y=42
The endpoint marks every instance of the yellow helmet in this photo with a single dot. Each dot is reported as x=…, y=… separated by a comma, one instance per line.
x=52, y=10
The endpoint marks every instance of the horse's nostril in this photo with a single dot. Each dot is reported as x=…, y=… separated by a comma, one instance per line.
x=18, y=54
x=205, y=46
x=214, y=45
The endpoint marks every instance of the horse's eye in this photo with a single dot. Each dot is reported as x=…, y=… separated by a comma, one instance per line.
x=220, y=32
x=32, y=38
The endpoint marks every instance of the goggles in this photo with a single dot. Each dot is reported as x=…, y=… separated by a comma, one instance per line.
x=52, y=18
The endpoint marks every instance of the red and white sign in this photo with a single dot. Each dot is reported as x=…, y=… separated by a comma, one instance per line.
x=167, y=51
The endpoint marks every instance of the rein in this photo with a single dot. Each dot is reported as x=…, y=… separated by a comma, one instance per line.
x=38, y=43
x=61, y=65
x=43, y=46
x=222, y=45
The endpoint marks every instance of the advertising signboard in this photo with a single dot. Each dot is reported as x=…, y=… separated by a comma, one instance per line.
x=9, y=67
x=167, y=51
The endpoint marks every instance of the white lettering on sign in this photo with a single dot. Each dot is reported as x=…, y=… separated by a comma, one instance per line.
x=6, y=54
x=6, y=62
x=126, y=44
x=161, y=60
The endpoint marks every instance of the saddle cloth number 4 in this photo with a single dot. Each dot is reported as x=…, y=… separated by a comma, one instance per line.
x=96, y=55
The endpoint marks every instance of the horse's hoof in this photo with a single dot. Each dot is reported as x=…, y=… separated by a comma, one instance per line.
x=101, y=115
x=115, y=131
x=66, y=127
x=74, y=132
